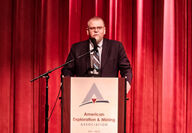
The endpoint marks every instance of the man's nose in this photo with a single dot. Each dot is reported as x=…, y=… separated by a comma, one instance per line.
x=96, y=29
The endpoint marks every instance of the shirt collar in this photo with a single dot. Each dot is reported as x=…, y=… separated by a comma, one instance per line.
x=100, y=44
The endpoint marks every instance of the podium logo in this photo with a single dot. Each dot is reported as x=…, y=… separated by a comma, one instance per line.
x=94, y=96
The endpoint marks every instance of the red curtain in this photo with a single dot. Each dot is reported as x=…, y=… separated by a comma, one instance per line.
x=36, y=36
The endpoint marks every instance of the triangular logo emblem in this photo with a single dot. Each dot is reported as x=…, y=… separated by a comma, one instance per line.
x=93, y=96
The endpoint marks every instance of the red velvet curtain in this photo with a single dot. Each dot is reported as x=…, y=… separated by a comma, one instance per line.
x=36, y=36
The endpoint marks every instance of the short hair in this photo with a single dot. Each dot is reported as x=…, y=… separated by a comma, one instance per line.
x=95, y=18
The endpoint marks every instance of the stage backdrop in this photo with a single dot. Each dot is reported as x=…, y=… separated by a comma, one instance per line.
x=36, y=36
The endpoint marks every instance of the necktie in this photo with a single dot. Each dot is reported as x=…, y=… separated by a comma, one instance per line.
x=96, y=61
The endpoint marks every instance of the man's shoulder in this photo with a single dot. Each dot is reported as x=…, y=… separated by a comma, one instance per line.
x=114, y=42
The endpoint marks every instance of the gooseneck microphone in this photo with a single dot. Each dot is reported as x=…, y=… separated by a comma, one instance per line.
x=93, y=40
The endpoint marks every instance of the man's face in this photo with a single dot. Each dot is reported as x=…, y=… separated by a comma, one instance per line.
x=96, y=29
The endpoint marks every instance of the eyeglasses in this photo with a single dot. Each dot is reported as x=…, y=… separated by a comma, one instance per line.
x=95, y=28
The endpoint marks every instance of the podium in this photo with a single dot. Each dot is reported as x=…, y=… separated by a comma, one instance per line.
x=93, y=105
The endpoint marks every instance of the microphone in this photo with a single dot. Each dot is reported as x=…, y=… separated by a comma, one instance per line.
x=93, y=40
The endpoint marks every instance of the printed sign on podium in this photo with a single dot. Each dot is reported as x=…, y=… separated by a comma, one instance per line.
x=93, y=105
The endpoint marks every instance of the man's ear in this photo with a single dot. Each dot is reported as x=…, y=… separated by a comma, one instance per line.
x=104, y=30
x=87, y=32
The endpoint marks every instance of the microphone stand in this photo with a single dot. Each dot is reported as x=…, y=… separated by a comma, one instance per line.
x=46, y=75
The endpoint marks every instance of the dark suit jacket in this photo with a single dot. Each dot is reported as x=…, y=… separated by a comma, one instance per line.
x=113, y=60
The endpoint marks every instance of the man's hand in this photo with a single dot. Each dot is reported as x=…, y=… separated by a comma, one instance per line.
x=128, y=87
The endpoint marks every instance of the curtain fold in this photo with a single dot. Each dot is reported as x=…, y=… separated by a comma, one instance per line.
x=36, y=36
x=6, y=99
x=188, y=41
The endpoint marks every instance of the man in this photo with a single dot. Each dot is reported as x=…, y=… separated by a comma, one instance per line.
x=111, y=55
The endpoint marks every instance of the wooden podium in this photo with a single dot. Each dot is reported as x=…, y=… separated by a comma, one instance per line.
x=93, y=105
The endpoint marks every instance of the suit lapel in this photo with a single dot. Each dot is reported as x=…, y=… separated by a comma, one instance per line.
x=105, y=50
x=87, y=58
